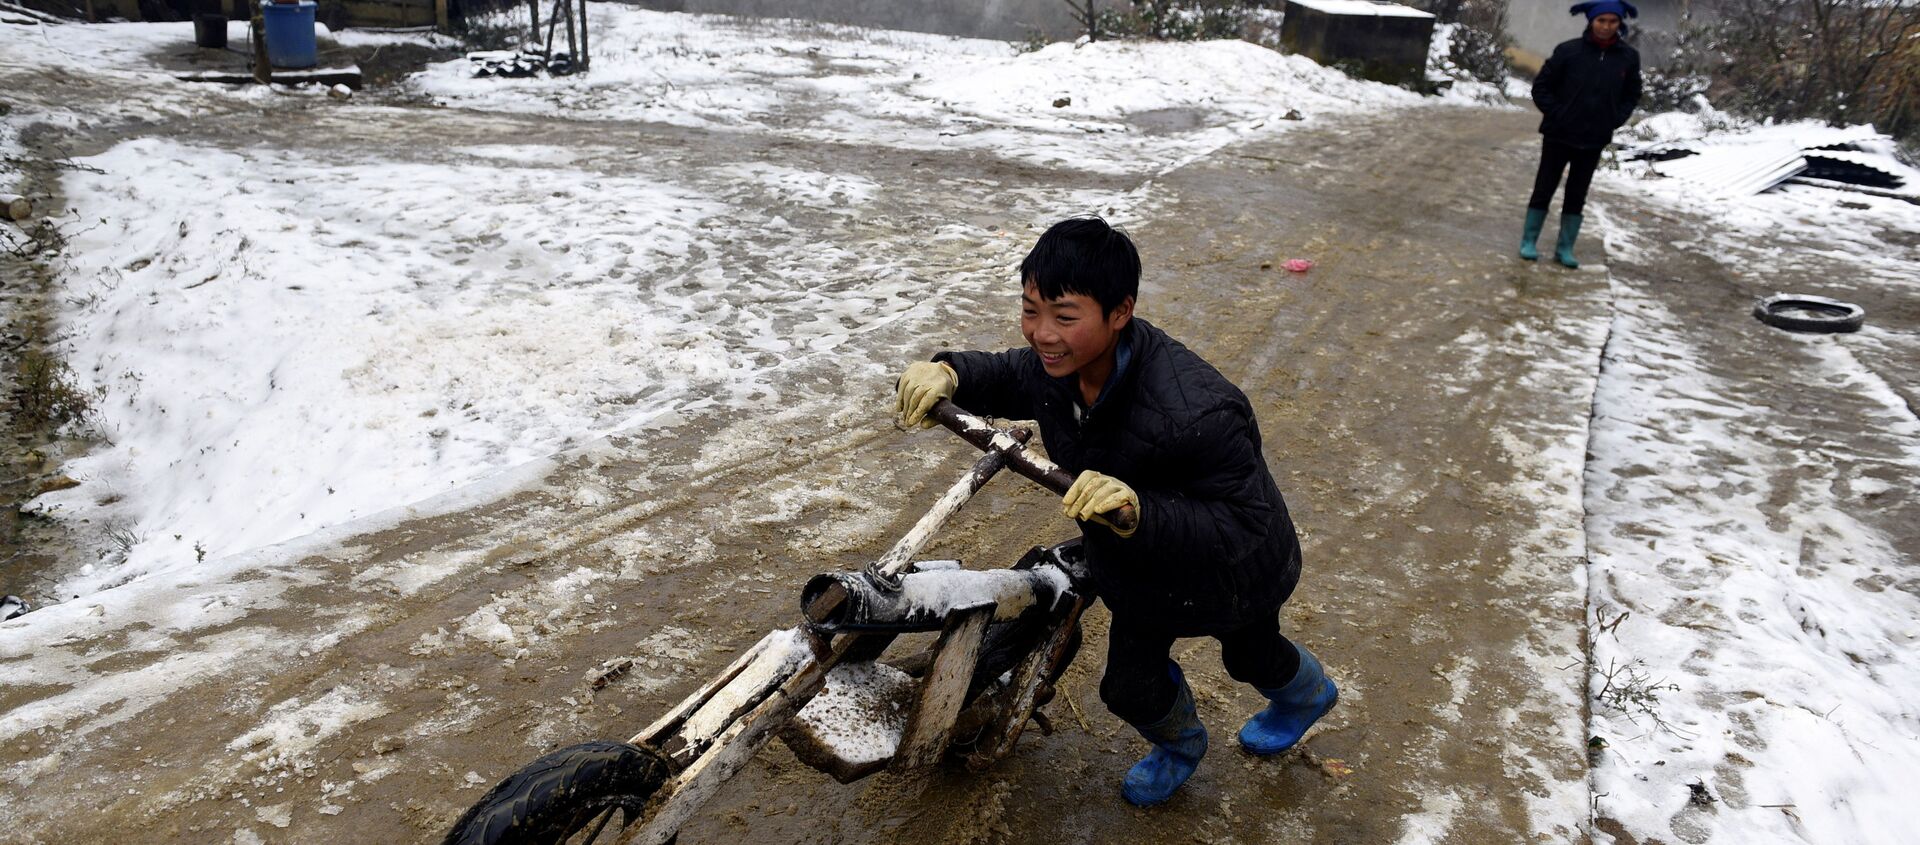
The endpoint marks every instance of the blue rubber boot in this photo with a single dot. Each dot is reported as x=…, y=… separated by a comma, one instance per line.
x=1569, y=232
x=1295, y=708
x=1179, y=741
x=1530, y=236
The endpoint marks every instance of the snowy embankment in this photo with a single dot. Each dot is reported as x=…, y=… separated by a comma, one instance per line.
x=1758, y=655
x=1792, y=225
x=291, y=339
x=1753, y=621
x=1110, y=106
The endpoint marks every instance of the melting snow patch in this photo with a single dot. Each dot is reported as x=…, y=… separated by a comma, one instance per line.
x=362, y=306
x=292, y=729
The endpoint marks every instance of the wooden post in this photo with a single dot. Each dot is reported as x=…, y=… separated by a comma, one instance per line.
x=440, y=20
x=1036, y=671
x=553, y=19
x=656, y=734
x=943, y=689
x=898, y=559
x=573, y=47
x=731, y=750
x=582, y=60
x=262, y=66
x=533, y=11
x=891, y=565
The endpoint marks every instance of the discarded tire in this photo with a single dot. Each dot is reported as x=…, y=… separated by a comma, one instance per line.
x=575, y=791
x=1807, y=313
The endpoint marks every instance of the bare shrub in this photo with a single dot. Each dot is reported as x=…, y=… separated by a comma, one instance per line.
x=1678, y=83
x=1178, y=20
x=45, y=394
x=1841, y=61
x=495, y=26
x=1480, y=40
x=1626, y=688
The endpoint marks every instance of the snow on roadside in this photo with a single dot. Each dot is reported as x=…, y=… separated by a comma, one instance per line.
x=1797, y=226
x=1114, y=107
x=1545, y=455
x=1751, y=647
x=284, y=354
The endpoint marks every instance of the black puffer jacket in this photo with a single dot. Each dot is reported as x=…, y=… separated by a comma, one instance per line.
x=1586, y=91
x=1215, y=549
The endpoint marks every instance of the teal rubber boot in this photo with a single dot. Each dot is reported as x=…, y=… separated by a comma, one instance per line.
x=1569, y=232
x=1295, y=708
x=1530, y=236
x=1179, y=741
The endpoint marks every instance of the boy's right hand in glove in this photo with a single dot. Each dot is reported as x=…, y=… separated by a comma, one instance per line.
x=1094, y=494
x=919, y=387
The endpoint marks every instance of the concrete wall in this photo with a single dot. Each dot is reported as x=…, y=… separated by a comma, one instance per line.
x=1384, y=48
x=1007, y=20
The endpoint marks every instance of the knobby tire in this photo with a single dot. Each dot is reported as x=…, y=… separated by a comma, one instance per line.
x=568, y=791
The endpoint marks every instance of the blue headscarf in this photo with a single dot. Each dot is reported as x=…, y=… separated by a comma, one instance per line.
x=1595, y=8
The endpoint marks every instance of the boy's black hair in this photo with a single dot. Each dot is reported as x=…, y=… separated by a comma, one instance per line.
x=1084, y=255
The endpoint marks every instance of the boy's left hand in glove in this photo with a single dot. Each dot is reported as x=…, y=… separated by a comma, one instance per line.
x=1093, y=494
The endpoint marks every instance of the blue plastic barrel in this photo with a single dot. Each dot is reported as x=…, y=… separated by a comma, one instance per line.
x=290, y=41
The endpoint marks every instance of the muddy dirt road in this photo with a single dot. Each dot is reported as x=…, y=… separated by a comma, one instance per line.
x=1424, y=399
x=1424, y=402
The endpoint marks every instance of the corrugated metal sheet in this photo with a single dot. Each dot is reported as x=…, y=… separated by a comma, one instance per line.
x=1737, y=170
x=1901, y=175
x=1757, y=158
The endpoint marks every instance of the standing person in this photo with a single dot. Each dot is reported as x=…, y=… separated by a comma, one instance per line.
x=1143, y=421
x=1587, y=89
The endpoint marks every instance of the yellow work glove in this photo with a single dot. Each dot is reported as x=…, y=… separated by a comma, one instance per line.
x=919, y=387
x=1093, y=494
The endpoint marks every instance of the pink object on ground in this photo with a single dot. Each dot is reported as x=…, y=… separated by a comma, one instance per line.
x=1297, y=265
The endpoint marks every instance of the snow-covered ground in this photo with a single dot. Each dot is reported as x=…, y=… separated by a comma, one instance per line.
x=1752, y=622
x=1110, y=106
x=1792, y=225
x=1756, y=648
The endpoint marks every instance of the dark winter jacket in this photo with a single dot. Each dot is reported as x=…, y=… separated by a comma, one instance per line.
x=1585, y=91
x=1215, y=549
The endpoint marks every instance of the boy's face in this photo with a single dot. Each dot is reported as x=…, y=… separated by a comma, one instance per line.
x=1606, y=26
x=1070, y=333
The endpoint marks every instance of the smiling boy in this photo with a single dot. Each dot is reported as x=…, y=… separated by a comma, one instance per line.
x=1143, y=421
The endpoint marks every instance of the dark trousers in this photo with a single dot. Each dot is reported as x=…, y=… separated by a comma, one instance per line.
x=1138, y=689
x=1579, y=164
